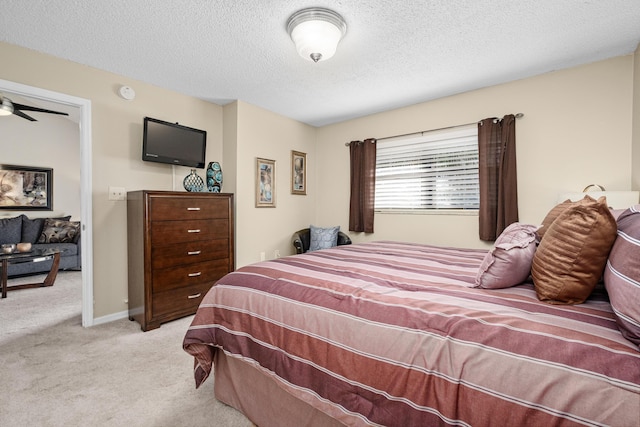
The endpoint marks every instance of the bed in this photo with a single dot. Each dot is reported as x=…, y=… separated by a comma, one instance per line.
x=396, y=334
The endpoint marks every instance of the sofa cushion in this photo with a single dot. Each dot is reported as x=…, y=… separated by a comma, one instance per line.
x=66, y=249
x=622, y=275
x=59, y=231
x=11, y=230
x=32, y=228
x=572, y=255
x=509, y=262
x=323, y=238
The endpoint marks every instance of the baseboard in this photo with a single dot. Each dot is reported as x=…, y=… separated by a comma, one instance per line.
x=110, y=318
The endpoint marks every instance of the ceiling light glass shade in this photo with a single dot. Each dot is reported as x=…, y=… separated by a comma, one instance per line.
x=316, y=32
x=6, y=108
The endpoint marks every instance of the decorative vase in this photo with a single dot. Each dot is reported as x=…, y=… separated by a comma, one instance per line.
x=193, y=182
x=214, y=177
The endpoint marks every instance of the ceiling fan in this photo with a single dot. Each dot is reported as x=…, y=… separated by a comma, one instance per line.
x=7, y=107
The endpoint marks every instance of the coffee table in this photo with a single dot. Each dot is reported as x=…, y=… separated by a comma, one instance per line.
x=36, y=255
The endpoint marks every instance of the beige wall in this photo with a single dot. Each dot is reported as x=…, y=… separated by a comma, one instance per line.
x=117, y=148
x=261, y=133
x=49, y=142
x=576, y=131
x=635, y=179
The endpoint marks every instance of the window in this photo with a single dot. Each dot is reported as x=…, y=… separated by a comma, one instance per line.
x=429, y=171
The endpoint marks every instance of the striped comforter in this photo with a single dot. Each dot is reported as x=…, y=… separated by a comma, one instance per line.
x=394, y=334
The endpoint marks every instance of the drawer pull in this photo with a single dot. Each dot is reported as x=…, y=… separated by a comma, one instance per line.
x=197, y=230
x=194, y=296
x=195, y=274
x=193, y=209
x=194, y=253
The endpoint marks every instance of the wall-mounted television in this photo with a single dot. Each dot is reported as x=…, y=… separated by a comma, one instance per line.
x=172, y=143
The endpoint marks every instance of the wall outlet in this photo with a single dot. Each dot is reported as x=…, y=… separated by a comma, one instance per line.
x=117, y=193
x=276, y=253
x=262, y=256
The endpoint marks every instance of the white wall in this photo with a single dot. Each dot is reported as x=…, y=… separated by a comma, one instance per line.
x=52, y=141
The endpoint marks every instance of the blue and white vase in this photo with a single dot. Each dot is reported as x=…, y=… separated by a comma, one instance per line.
x=214, y=177
x=193, y=182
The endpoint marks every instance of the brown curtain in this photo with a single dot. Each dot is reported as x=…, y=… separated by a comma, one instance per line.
x=363, y=183
x=498, y=176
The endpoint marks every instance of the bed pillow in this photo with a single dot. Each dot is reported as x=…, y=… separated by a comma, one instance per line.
x=571, y=257
x=622, y=275
x=555, y=212
x=59, y=231
x=323, y=238
x=509, y=262
x=10, y=230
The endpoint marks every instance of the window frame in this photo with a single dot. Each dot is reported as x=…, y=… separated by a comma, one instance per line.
x=456, y=137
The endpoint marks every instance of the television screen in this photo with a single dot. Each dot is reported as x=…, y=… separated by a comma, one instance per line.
x=172, y=143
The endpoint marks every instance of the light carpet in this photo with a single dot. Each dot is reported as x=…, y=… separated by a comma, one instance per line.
x=54, y=372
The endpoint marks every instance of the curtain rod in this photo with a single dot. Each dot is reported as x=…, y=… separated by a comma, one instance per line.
x=517, y=116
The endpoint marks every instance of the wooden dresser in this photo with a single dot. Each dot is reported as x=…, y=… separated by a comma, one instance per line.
x=179, y=244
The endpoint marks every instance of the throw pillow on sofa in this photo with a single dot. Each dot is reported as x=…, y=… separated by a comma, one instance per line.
x=59, y=231
x=10, y=230
x=32, y=228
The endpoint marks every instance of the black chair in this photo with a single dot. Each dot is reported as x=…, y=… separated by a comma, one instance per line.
x=302, y=238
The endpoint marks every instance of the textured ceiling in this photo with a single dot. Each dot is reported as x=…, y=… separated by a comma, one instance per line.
x=395, y=53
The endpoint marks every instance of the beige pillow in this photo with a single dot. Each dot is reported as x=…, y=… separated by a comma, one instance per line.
x=572, y=255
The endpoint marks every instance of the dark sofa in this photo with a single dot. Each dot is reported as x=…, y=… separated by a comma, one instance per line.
x=42, y=233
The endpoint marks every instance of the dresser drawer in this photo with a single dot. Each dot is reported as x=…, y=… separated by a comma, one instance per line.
x=189, y=274
x=166, y=233
x=189, y=253
x=188, y=208
x=179, y=302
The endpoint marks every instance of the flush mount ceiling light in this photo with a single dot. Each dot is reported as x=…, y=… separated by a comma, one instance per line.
x=316, y=32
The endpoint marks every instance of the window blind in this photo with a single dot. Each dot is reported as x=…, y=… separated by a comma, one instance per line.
x=433, y=170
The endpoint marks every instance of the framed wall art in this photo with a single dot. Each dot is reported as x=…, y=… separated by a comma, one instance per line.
x=265, y=183
x=26, y=188
x=298, y=173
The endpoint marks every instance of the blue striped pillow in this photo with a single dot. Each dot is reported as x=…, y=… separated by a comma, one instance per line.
x=622, y=275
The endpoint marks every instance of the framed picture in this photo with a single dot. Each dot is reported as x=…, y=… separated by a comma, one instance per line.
x=298, y=173
x=26, y=188
x=265, y=183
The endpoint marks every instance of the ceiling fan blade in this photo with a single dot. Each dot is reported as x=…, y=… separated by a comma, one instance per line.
x=19, y=113
x=40, y=110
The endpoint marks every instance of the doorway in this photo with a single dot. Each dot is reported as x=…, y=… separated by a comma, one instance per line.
x=86, y=236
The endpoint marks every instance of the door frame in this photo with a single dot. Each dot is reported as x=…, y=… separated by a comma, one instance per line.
x=86, y=215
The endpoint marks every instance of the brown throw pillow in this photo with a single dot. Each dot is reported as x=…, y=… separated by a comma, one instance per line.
x=555, y=212
x=571, y=257
x=59, y=231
